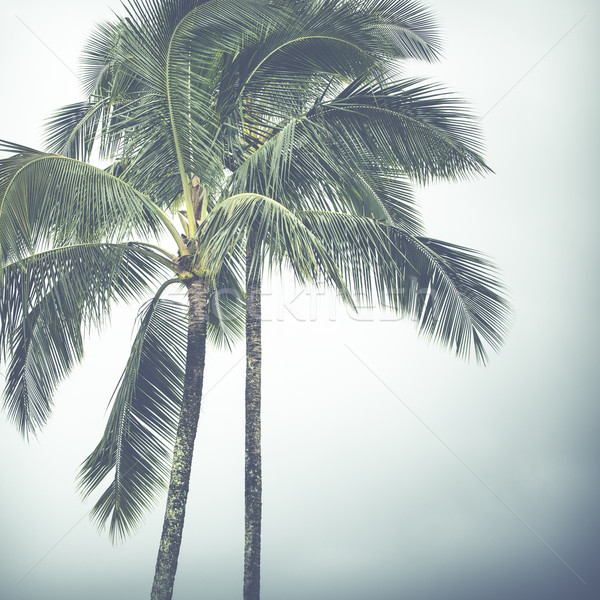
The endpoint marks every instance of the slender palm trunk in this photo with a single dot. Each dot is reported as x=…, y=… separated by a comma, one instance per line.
x=168, y=552
x=253, y=494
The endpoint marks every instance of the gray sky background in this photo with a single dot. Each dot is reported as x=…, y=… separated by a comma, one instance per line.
x=391, y=469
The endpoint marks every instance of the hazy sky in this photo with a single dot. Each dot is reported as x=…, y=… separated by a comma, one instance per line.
x=391, y=469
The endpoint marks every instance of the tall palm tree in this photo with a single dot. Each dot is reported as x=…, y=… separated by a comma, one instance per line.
x=277, y=132
x=74, y=239
x=335, y=135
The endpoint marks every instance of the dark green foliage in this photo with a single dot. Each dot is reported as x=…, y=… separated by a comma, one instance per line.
x=136, y=447
x=288, y=120
x=47, y=302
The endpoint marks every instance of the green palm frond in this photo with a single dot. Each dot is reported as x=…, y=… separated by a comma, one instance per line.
x=279, y=237
x=47, y=303
x=72, y=130
x=386, y=29
x=413, y=126
x=357, y=151
x=173, y=51
x=268, y=162
x=304, y=175
x=110, y=88
x=137, y=443
x=453, y=293
x=367, y=258
x=47, y=199
x=226, y=307
x=42, y=350
x=317, y=49
x=386, y=199
x=290, y=71
x=406, y=29
x=457, y=295
x=104, y=74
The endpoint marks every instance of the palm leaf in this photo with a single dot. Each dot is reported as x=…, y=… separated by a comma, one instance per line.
x=72, y=130
x=137, y=442
x=226, y=307
x=355, y=152
x=416, y=127
x=48, y=199
x=457, y=296
x=452, y=292
x=315, y=49
x=406, y=28
x=172, y=49
x=298, y=166
x=279, y=237
x=43, y=350
x=47, y=302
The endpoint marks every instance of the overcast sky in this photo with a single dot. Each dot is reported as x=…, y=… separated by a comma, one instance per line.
x=391, y=469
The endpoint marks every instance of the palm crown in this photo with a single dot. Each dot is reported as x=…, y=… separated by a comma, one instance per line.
x=279, y=128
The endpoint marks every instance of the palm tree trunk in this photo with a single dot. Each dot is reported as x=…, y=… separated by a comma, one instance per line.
x=168, y=552
x=253, y=492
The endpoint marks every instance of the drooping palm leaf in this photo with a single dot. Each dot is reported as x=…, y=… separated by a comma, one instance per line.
x=463, y=304
x=226, y=307
x=414, y=126
x=137, y=442
x=49, y=199
x=300, y=168
x=381, y=132
x=47, y=303
x=453, y=293
x=279, y=237
x=72, y=129
x=43, y=350
x=76, y=129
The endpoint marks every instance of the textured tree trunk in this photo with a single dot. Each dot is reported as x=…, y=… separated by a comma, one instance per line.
x=168, y=552
x=253, y=494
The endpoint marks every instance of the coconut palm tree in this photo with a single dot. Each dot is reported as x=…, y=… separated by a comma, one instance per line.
x=73, y=241
x=276, y=132
x=335, y=135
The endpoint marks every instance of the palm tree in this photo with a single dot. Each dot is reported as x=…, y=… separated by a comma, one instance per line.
x=336, y=136
x=277, y=132
x=74, y=239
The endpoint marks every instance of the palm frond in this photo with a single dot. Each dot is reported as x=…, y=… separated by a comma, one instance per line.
x=315, y=48
x=387, y=199
x=137, y=442
x=47, y=303
x=407, y=29
x=72, y=130
x=387, y=29
x=104, y=72
x=393, y=129
x=48, y=199
x=174, y=51
x=453, y=293
x=42, y=349
x=226, y=307
x=358, y=151
x=409, y=125
x=279, y=237
x=457, y=295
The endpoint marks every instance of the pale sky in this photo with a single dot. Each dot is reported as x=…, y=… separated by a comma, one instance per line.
x=391, y=469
